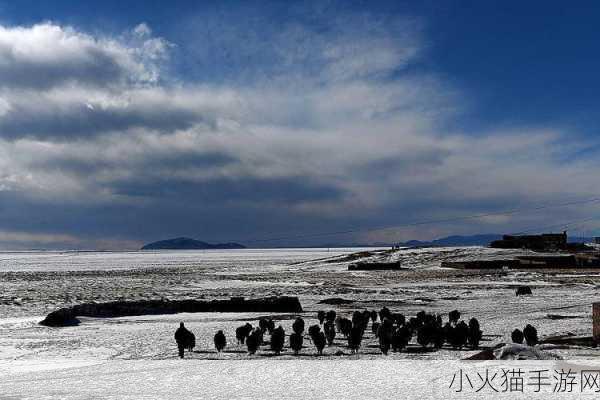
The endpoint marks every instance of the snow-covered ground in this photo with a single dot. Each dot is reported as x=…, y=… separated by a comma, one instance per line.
x=276, y=379
x=141, y=351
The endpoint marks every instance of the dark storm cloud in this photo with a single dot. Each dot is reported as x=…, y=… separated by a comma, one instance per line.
x=99, y=69
x=75, y=120
x=283, y=192
x=146, y=222
x=410, y=164
x=188, y=160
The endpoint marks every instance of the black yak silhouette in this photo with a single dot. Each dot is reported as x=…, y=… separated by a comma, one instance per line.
x=344, y=325
x=296, y=340
x=317, y=337
x=298, y=325
x=375, y=328
x=184, y=339
x=384, y=335
x=401, y=338
x=254, y=340
x=355, y=338
x=220, y=341
x=373, y=315
x=277, y=339
x=475, y=333
x=531, y=335
x=453, y=316
x=384, y=313
x=321, y=316
x=242, y=332
x=330, y=316
x=517, y=336
x=329, y=329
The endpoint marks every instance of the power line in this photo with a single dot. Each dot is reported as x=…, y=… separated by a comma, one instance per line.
x=562, y=226
x=427, y=222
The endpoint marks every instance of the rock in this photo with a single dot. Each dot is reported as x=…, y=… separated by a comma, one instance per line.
x=523, y=352
x=374, y=266
x=487, y=354
x=336, y=301
x=61, y=317
x=68, y=316
x=570, y=339
x=556, y=316
x=523, y=290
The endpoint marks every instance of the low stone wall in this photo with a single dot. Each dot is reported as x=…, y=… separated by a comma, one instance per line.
x=525, y=262
x=68, y=316
x=558, y=261
x=374, y=266
x=481, y=264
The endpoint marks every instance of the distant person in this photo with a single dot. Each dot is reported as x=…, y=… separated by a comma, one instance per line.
x=183, y=338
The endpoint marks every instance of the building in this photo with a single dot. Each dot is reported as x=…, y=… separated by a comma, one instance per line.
x=544, y=242
x=597, y=240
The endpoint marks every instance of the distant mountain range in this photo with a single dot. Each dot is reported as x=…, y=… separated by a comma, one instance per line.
x=476, y=240
x=456, y=240
x=183, y=243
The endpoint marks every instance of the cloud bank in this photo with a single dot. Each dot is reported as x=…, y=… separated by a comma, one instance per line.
x=100, y=144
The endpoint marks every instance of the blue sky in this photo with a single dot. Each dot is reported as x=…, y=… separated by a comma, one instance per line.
x=124, y=121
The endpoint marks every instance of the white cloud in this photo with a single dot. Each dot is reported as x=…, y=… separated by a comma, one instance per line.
x=142, y=30
x=46, y=55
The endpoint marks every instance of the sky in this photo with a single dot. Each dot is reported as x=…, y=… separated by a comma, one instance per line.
x=124, y=122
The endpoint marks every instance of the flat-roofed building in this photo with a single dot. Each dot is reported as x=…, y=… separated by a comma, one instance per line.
x=543, y=242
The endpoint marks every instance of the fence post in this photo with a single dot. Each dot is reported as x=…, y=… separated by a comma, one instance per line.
x=596, y=322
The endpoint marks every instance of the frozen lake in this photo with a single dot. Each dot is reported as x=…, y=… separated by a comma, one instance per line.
x=45, y=261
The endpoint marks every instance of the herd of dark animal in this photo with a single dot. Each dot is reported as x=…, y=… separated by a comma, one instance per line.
x=393, y=331
x=529, y=334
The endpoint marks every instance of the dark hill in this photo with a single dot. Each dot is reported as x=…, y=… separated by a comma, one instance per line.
x=183, y=243
x=474, y=240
